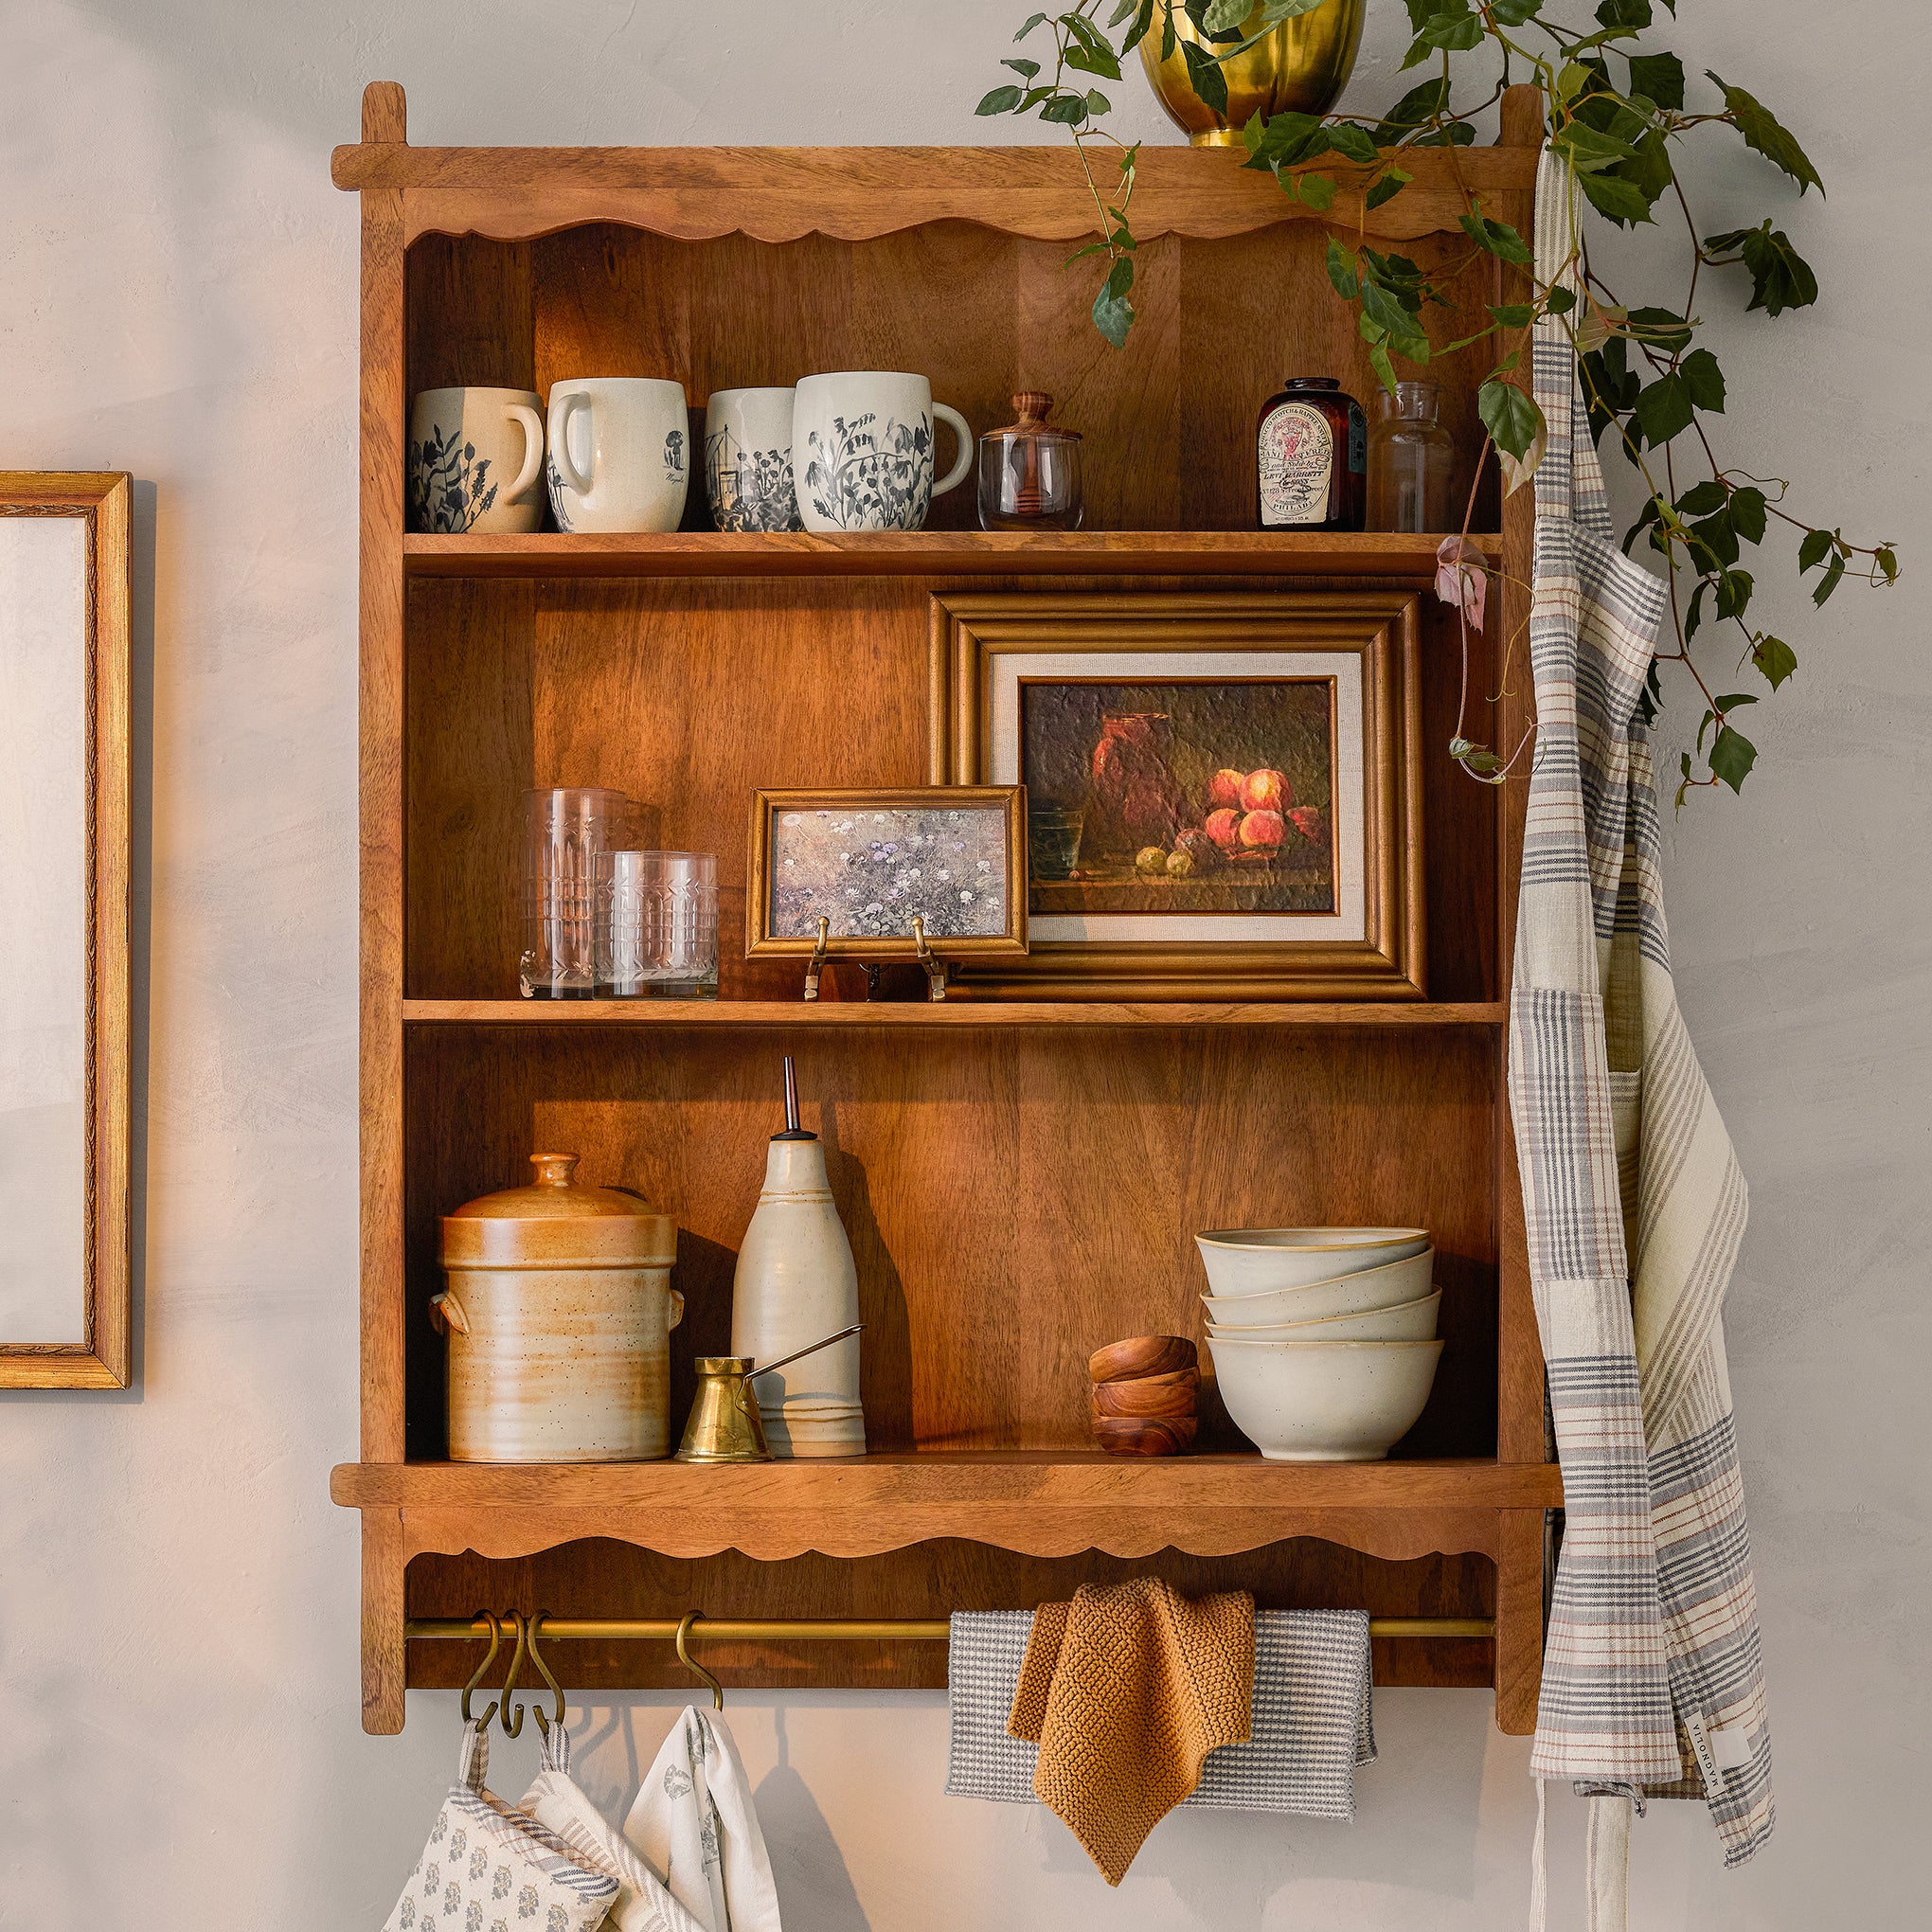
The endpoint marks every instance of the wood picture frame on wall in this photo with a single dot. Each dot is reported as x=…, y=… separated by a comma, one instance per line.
x=65, y=855
x=1224, y=788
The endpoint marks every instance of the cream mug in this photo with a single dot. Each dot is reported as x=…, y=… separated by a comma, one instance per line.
x=748, y=460
x=617, y=454
x=861, y=450
x=474, y=461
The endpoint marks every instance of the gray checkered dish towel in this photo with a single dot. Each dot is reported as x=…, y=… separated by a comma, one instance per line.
x=1310, y=1724
x=1651, y=1676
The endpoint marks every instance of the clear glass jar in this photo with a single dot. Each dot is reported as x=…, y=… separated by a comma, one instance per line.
x=656, y=925
x=1029, y=471
x=1411, y=461
x=565, y=828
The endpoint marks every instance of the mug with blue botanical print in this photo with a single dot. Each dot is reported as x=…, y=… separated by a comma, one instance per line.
x=475, y=461
x=620, y=458
x=748, y=460
x=861, y=450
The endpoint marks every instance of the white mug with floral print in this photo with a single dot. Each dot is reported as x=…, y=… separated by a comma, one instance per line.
x=619, y=453
x=475, y=461
x=862, y=451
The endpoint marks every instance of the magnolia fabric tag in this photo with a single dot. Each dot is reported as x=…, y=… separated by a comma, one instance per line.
x=1718, y=1750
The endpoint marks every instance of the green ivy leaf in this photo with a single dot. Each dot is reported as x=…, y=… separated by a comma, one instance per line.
x=1560, y=301
x=1657, y=77
x=1628, y=14
x=1416, y=109
x=1510, y=416
x=1588, y=151
x=1342, y=270
x=1127, y=7
x=1460, y=31
x=1513, y=314
x=1065, y=108
x=1222, y=14
x=1205, y=78
x=1143, y=21
x=1702, y=498
x=1001, y=100
x=1661, y=329
x=1385, y=187
x=1285, y=140
x=1663, y=410
x=1750, y=511
x=1382, y=308
x=1831, y=579
x=1734, y=589
x=1775, y=659
x=1514, y=12
x=1703, y=381
x=1317, y=191
x=1610, y=195
x=1813, y=551
x=1034, y=20
x=1026, y=69
x=1497, y=236
x=1732, y=700
x=1422, y=12
x=1887, y=563
x=1113, y=312
x=1781, y=278
x=1763, y=131
x=1356, y=143
x=1732, y=755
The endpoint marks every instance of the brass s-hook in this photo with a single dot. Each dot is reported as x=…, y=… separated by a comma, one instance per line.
x=510, y=1676
x=483, y=1668
x=544, y=1672
x=691, y=1664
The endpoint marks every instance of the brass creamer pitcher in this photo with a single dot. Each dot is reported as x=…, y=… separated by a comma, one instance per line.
x=724, y=1425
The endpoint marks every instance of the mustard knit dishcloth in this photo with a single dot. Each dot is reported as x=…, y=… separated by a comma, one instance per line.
x=1126, y=1690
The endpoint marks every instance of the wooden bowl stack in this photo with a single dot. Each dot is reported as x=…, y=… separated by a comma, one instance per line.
x=1144, y=1394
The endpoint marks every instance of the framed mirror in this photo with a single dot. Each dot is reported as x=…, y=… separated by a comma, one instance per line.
x=63, y=930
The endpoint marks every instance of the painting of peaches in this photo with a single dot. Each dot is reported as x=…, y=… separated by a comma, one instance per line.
x=1181, y=796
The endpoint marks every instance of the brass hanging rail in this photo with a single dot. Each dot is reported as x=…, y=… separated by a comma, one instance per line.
x=824, y=1630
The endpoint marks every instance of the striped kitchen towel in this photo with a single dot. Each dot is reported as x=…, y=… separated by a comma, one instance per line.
x=1634, y=1202
x=1310, y=1725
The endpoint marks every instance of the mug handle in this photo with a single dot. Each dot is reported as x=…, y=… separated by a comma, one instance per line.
x=560, y=440
x=963, y=461
x=533, y=450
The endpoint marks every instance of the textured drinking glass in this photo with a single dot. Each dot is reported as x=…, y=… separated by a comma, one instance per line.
x=565, y=831
x=658, y=925
x=1411, y=460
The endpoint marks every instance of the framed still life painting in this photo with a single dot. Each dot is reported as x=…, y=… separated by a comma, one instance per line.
x=1223, y=789
x=63, y=931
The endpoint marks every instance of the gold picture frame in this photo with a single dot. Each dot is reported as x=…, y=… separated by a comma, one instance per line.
x=998, y=656
x=768, y=814
x=72, y=619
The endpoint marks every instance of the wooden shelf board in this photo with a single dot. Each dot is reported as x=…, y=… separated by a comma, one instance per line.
x=949, y=1013
x=1045, y=1503
x=931, y=553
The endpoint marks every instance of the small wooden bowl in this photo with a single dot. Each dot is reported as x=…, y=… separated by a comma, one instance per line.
x=1141, y=1357
x=1144, y=1434
x=1149, y=1395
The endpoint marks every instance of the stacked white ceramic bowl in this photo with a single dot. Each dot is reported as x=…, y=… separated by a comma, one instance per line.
x=1323, y=1338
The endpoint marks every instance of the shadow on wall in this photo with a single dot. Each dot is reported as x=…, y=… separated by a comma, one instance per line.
x=848, y=1783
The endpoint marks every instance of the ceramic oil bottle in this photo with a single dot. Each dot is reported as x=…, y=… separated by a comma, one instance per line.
x=794, y=1283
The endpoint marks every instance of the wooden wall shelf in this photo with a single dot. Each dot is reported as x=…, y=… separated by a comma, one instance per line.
x=1043, y=1503
x=948, y=1013
x=932, y=553
x=1021, y=1180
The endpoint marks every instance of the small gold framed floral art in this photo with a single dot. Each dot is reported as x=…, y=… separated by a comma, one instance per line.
x=1224, y=788
x=845, y=874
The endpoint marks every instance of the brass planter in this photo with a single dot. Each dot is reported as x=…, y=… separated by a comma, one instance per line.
x=1302, y=66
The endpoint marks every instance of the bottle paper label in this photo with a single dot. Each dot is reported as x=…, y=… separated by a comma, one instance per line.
x=1298, y=454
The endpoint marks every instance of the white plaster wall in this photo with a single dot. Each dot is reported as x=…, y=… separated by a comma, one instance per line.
x=179, y=1743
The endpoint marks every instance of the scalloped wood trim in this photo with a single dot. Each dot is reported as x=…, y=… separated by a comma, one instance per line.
x=857, y=195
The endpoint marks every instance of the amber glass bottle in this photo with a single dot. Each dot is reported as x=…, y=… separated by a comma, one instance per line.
x=1311, y=457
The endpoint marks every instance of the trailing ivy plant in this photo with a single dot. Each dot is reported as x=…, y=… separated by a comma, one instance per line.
x=1615, y=105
